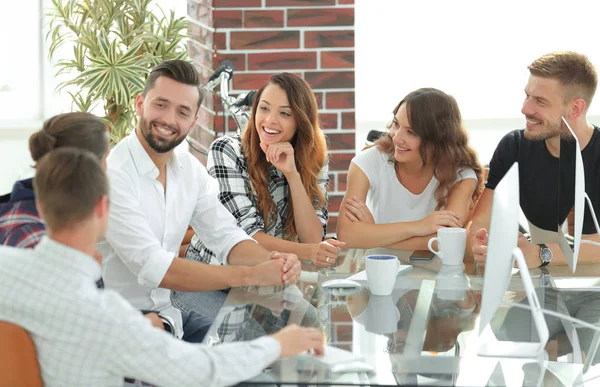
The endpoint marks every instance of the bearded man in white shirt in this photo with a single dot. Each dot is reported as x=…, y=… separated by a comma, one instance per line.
x=89, y=337
x=156, y=192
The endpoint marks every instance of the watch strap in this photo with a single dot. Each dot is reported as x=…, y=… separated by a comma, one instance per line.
x=542, y=248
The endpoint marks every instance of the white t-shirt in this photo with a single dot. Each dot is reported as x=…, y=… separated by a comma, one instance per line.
x=388, y=200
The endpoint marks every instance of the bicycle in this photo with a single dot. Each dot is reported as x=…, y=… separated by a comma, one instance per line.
x=236, y=107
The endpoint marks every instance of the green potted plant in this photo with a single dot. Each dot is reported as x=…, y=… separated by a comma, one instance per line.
x=115, y=43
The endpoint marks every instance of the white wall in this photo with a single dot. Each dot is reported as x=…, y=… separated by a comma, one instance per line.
x=478, y=51
x=15, y=160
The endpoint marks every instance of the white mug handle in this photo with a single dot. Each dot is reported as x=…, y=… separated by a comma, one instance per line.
x=398, y=266
x=438, y=253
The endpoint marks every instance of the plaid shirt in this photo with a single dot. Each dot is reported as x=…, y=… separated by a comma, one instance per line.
x=20, y=223
x=226, y=163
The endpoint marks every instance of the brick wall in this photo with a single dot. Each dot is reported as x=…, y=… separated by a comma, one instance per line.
x=311, y=38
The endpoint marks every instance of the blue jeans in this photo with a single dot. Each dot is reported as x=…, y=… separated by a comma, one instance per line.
x=206, y=303
x=195, y=326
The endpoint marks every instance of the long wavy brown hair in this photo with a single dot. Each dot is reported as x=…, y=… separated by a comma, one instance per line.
x=434, y=116
x=310, y=149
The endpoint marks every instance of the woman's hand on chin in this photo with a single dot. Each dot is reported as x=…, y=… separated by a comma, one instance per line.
x=281, y=155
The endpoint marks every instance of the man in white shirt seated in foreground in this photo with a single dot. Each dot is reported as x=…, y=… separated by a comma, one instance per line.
x=89, y=337
x=156, y=192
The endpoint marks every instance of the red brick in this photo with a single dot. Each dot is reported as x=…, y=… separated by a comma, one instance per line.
x=227, y=19
x=348, y=120
x=203, y=136
x=232, y=125
x=341, y=182
x=263, y=19
x=332, y=185
x=340, y=314
x=332, y=224
x=345, y=1
x=220, y=124
x=316, y=39
x=238, y=60
x=217, y=104
x=245, y=40
x=339, y=141
x=340, y=161
x=344, y=333
x=297, y=3
x=330, y=80
x=200, y=156
x=205, y=117
x=283, y=61
x=250, y=81
x=337, y=59
x=319, y=98
x=328, y=120
x=200, y=54
x=201, y=13
x=237, y=3
x=340, y=100
x=334, y=202
x=208, y=101
x=204, y=70
x=201, y=35
x=320, y=17
x=220, y=42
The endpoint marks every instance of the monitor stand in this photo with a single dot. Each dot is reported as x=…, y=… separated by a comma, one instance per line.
x=492, y=347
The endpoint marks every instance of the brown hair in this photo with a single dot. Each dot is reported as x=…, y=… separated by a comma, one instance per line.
x=310, y=149
x=434, y=116
x=68, y=184
x=177, y=70
x=79, y=130
x=574, y=71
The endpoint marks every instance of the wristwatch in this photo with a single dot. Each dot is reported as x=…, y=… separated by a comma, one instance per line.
x=545, y=255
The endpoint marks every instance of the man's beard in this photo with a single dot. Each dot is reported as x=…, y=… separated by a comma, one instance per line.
x=157, y=145
x=553, y=129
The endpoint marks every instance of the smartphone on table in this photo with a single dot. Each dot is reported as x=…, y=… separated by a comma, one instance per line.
x=422, y=255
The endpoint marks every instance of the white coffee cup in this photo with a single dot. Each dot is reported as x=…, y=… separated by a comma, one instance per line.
x=382, y=271
x=451, y=242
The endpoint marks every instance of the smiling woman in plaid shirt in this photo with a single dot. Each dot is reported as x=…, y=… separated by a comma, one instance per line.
x=274, y=179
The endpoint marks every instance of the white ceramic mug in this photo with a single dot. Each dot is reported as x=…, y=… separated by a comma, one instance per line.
x=382, y=271
x=451, y=243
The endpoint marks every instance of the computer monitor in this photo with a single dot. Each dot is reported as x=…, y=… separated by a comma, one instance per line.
x=501, y=253
x=571, y=193
x=570, y=150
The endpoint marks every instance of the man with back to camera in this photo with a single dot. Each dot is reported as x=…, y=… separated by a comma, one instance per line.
x=88, y=337
x=561, y=84
x=156, y=192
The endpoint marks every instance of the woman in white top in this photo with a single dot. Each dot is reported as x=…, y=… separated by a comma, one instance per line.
x=418, y=177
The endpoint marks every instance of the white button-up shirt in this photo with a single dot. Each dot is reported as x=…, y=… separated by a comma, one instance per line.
x=89, y=337
x=147, y=224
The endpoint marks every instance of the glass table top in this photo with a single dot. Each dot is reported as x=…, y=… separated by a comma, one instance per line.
x=427, y=331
